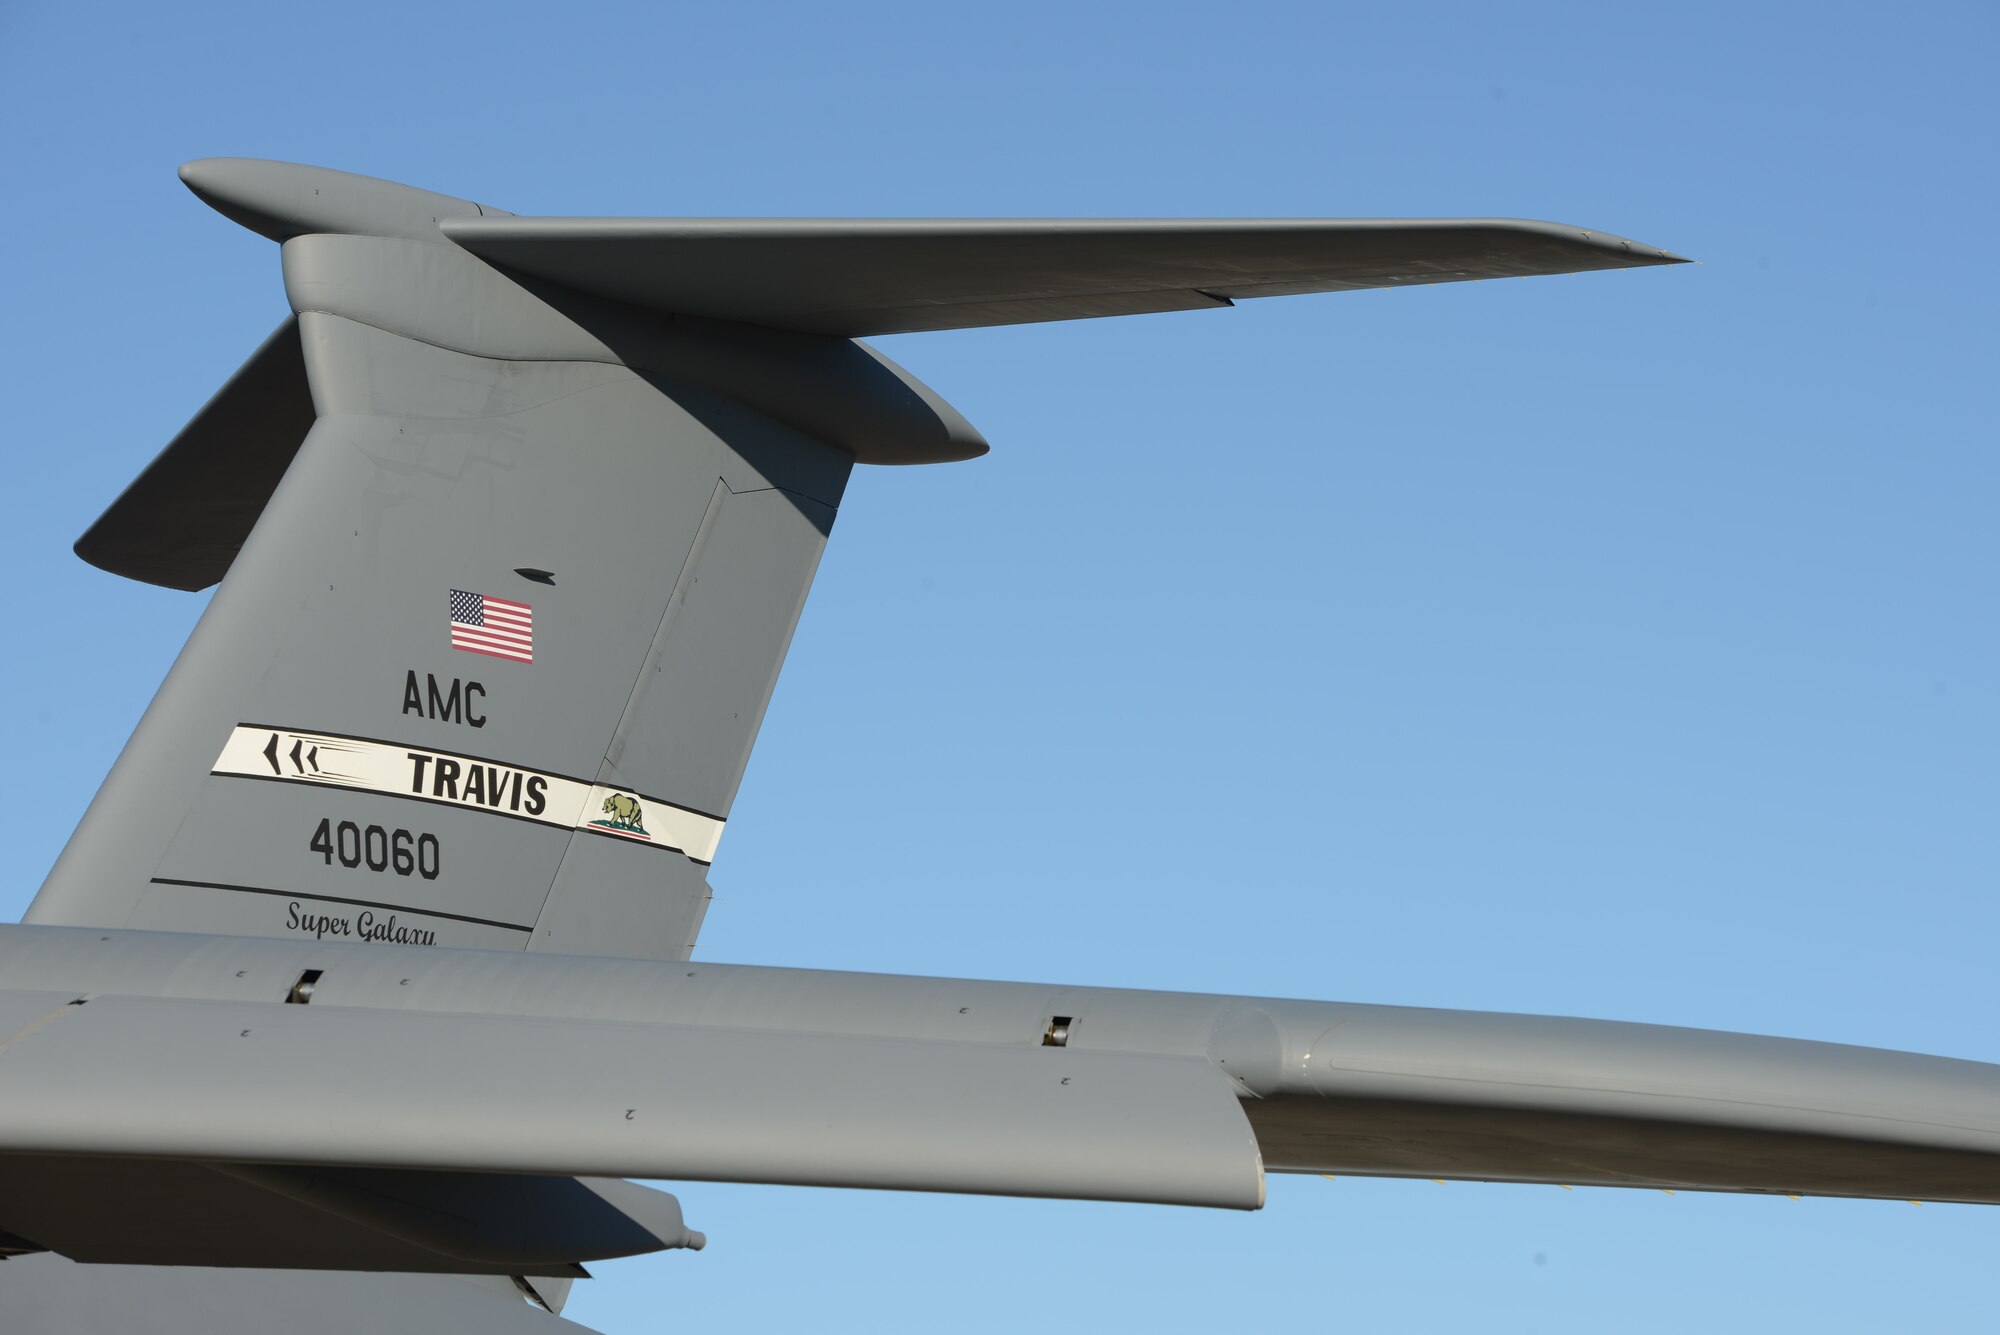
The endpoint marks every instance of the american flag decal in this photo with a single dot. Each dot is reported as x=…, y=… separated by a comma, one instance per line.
x=495, y=627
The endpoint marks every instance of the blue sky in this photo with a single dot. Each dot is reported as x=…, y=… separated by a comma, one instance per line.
x=1619, y=645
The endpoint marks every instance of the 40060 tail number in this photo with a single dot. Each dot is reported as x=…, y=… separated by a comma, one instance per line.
x=378, y=849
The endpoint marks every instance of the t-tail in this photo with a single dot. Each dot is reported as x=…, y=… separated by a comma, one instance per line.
x=513, y=520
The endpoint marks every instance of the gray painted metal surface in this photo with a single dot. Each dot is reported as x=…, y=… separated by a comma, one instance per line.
x=182, y=521
x=437, y=777
x=261, y=1216
x=662, y=541
x=50, y=1295
x=860, y=276
x=282, y=200
x=257, y=1082
x=1326, y=1086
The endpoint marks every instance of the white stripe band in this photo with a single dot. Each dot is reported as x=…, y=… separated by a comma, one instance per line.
x=455, y=780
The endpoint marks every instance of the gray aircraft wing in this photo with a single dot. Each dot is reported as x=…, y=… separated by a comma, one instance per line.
x=214, y=1081
x=403, y=1067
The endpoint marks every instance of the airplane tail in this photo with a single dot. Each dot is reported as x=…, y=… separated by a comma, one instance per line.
x=513, y=521
x=489, y=663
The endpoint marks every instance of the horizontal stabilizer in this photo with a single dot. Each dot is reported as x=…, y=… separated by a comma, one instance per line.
x=357, y=1088
x=181, y=521
x=860, y=276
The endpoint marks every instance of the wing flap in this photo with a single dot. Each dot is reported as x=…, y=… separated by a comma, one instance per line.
x=862, y=276
x=350, y=1087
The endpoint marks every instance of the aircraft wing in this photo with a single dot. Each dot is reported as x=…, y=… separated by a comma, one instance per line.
x=860, y=276
x=346, y=1087
x=406, y=1065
